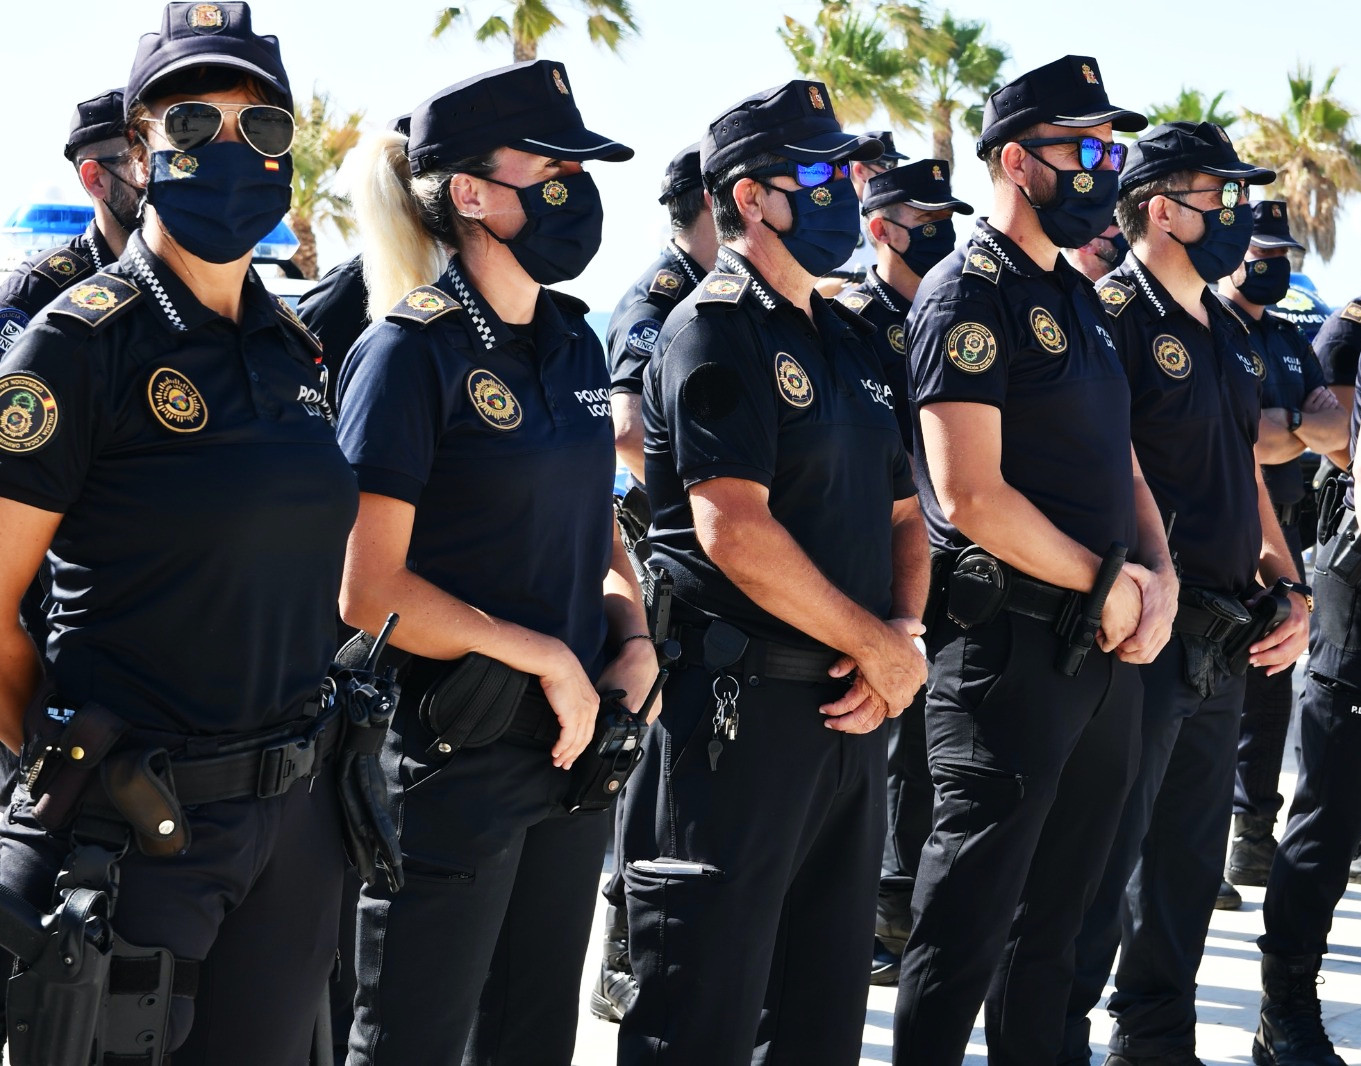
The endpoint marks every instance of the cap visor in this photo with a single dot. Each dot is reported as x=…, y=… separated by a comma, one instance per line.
x=1118, y=117
x=575, y=144
x=831, y=148
x=1267, y=240
x=208, y=60
x=951, y=205
x=1243, y=172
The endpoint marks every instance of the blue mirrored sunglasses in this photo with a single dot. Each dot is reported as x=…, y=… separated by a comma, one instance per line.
x=806, y=175
x=1090, y=150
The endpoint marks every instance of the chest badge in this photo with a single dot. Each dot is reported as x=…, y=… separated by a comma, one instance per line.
x=971, y=347
x=1047, y=331
x=1171, y=356
x=175, y=402
x=28, y=413
x=794, y=384
x=494, y=402
x=897, y=339
x=1258, y=367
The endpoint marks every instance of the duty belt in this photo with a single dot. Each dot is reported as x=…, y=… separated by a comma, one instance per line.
x=765, y=658
x=1196, y=619
x=1036, y=599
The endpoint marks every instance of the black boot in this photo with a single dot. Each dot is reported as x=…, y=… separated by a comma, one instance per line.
x=1252, y=849
x=1291, y=1029
x=892, y=925
x=615, y=987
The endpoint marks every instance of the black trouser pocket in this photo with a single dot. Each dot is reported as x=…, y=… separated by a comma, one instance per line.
x=435, y=871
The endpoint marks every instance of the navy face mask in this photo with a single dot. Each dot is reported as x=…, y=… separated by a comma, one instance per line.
x=929, y=243
x=1268, y=280
x=220, y=200
x=826, y=225
x=1080, y=206
x=1228, y=235
x=563, y=224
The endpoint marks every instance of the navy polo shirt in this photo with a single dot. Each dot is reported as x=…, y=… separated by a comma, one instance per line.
x=336, y=309
x=990, y=326
x=746, y=386
x=885, y=308
x=1289, y=371
x=205, y=504
x=636, y=323
x=1195, y=416
x=501, y=439
x=37, y=281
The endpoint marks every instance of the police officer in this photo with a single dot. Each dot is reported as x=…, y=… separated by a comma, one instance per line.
x=630, y=341
x=863, y=256
x=189, y=638
x=1183, y=205
x=780, y=490
x=1028, y=486
x=476, y=415
x=908, y=212
x=1298, y=412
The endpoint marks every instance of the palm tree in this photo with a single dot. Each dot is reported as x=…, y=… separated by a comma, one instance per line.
x=958, y=70
x=608, y=22
x=1316, y=159
x=861, y=57
x=323, y=141
x=1191, y=106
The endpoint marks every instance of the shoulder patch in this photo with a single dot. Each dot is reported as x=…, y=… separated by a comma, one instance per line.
x=28, y=413
x=723, y=289
x=12, y=323
x=63, y=268
x=295, y=323
x=982, y=264
x=667, y=283
x=854, y=299
x=642, y=336
x=1116, y=296
x=423, y=305
x=96, y=301
x=1352, y=312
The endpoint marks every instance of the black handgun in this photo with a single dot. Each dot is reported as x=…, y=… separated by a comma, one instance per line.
x=1079, y=629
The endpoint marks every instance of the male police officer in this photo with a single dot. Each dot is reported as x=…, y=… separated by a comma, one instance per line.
x=908, y=212
x=780, y=495
x=863, y=256
x=1183, y=205
x=1298, y=412
x=1030, y=494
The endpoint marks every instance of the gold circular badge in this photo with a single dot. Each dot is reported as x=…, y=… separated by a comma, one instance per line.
x=96, y=296
x=897, y=339
x=1259, y=267
x=1171, y=356
x=28, y=413
x=794, y=384
x=822, y=196
x=722, y=287
x=175, y=402
x=1113, y=296
x=668, y=281
x=971, y=347
x=929, y=230
x=983, y=263
x=1258, y=367
x=555, y=192
x=855, y=301
x=1083, y=182
x=1227, y=217
x=1047, y=331
x=494, y=402
x=425, y=301
x=62, y=264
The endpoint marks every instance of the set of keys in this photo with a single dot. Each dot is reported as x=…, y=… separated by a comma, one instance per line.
x=726, y=691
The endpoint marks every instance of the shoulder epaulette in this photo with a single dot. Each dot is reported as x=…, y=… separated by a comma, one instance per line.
x=423, y=305
x=291, y=319
x=982, y=264
x=723, y=289
x=667, y=283
x=1352, y=312
x=854, y=300
x=96, y=300
x=1116, y=296
x=63, y=268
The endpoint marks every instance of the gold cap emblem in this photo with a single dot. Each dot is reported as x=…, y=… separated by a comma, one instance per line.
x=559, y=82
x=1089, y=74
x=815, y=98
x=206, y=18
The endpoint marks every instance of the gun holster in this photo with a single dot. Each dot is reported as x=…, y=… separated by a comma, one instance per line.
x=601, y=771
x=1265, y=615
x=1344, y=558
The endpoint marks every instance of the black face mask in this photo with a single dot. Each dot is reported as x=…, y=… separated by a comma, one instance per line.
x=1080, y=206
x=1268, y=280
x=563, y=224
x=127, y=219
x=928, y=244
x=1227, y=237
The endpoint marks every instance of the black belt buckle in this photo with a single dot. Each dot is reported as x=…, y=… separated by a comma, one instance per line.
x=282, y=764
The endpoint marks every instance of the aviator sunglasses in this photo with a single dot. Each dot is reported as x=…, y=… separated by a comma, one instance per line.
x=807, y=176
x=1090, y=150
x=194, y=123
x=1231, y=194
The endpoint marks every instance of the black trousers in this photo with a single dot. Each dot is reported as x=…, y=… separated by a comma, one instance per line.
x=478, y=959
x=1309, y=874
x=256, y=896
x=1156, y=897
x=765, y=960
x=1030, y=771
x=1266, y=721
x=910, y=797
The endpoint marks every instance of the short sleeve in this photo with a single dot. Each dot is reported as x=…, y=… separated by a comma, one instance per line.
x=718, y=400
x=54, y=414
x=958, y=353
x=632, y=338
x=1337, y=345
x=391, y=411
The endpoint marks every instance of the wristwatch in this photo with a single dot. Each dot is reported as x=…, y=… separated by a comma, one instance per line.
x=1303, y=589
x=1296, y=419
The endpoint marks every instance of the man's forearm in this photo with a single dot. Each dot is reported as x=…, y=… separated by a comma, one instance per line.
x=911, y=561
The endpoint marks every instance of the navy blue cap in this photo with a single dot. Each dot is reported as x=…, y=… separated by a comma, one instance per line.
x=401, y=124
x=205, y=35
x=794, y=120
x=528, y=106
x=1180, y=146
x=891, y=153
x=924, y=185
x=95, y=120
x=682, y=174
x=1066, y=92
x=1271, y=225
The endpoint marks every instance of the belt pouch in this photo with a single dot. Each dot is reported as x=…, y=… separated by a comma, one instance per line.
x=978, y=589
x=472, y=703
x=60, y=777
x=1345, y=561
x=1268, y=612
x=141, y=786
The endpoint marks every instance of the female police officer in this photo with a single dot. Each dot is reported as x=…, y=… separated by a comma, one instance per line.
x=476, y=415
x=155, y=442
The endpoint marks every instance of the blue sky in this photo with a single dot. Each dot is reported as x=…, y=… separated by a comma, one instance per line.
x=693, y=59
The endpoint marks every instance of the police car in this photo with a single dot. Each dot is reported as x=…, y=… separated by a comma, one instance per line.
x=1303, y=306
